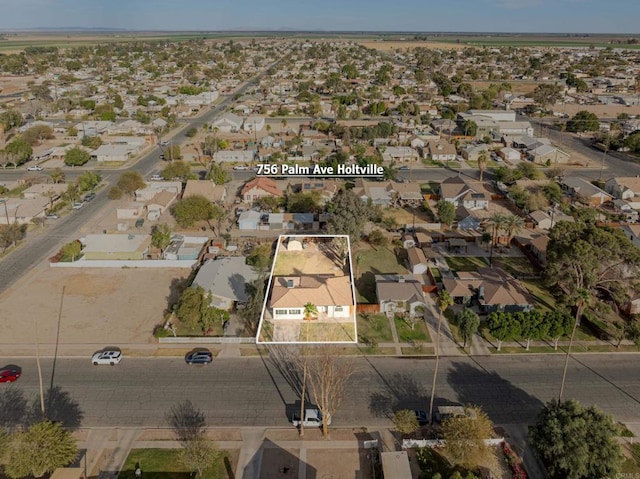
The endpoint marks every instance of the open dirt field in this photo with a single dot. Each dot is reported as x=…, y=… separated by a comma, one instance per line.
x=603, y=111
x=105, y=306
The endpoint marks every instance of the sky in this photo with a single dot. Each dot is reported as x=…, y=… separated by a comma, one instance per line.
x=543, y=16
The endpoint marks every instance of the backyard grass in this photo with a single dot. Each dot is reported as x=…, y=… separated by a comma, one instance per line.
x=374, y=329
x=372, y=262
x=466, y=263
x=408, y=335
x=166, y=464
x=545, y=301
x=429, y=188
x=518, y=267
x=405, y=216
x=631, y=464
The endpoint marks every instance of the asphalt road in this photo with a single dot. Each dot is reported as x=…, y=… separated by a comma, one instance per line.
x=253, y=392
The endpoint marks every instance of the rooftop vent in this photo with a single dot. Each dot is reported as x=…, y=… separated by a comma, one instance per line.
x=289, y=283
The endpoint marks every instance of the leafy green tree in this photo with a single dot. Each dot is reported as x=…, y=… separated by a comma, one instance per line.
x=583, y=121
x=532, y=326
x=348, y=214
x=546, y=94
x=260, y=258
x=172, y=152
x=574, y=442
x=468, y=322
x=88, y=180
x=130, y=181
x=470, y=127
x=37, y=134
x=377, y=238
x=503, y=327
x=115, y=193
x=161, y=236
x=633, y=141
x=72, y=251
x=19, y=150
x=92, y=142
x=191, y=132
x=39, y=450
x=559, y=324
x=11, y=119
x=465, y=438
x=195, y=311
x=405, y=421
x=446, y=212
x=57, y=175
x=188, y=211
x=11, y=234
x=218, y=174
x=76, y=157
x=302, y=202
x=177, y=169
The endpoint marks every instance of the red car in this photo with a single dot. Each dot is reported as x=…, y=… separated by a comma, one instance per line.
x=8, y=375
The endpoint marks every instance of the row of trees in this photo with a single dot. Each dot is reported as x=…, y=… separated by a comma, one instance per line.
x=529, y=326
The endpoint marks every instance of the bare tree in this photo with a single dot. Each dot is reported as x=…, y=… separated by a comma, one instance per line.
x=188, y=422
x=328, y=376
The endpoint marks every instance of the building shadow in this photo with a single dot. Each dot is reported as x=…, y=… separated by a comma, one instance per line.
x=271, y=461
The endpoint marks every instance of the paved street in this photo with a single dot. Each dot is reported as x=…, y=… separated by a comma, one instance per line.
x=253, y=392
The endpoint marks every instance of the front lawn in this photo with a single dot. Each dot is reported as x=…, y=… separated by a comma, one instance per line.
x=374, y=329
x=466, y=263
x=327, y=332
x=408, y=335
x=166, y=464
x=544, y=300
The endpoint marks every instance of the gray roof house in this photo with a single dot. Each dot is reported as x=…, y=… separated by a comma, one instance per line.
x=399, y=293
x=225, y=279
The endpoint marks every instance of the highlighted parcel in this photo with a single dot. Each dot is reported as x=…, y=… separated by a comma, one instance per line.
x=310, y=296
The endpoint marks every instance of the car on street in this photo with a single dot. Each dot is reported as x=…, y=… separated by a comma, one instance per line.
x=111, y=356
x=35, y=168
x=422, y=417
x=139, y=222
x=161, y=156
x=89, y=196
x=156, y=178
x=9, y=374
x=51, y=216
x=199, y=356
x=404, y=168
x=77, y=205
x=164, y=143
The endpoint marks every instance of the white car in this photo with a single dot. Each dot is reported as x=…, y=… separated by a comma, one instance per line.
x=107, y=356
x=35, y=168
x=77, y=205
x=156, y=178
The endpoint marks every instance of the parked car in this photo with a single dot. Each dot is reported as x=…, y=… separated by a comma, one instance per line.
x=139, y=222
x=199, y=356
x=111, y=356
x=164, y=143
x=312, y=417
x=9, y=374
x=404, y=168
x=89, y=196
x=77, y=205
x=51, y=216
x=161, y=156
x=156, y=178
x=35, y=168
x=422, y=417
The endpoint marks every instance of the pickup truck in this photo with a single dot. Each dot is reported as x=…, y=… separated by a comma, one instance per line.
x=312, y=417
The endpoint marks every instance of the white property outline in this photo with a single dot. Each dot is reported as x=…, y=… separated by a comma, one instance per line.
x=268, y=293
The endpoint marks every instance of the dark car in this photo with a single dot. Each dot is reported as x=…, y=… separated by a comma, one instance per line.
x=89, y=196
x=200, y=356
x=9, y=374
x=422, y=417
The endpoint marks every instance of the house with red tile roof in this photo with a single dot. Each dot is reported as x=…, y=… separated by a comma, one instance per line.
x=259, y=188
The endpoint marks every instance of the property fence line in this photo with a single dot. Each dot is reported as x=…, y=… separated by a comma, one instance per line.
x=204, y=340
x=100, y=263
x=411, y=443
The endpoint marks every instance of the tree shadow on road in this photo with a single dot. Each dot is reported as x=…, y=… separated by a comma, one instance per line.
x=13, y=409
x=402, y=392
x=59, y=407
x=504, y=402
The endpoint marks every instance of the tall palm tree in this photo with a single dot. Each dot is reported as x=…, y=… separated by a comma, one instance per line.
x=310, y=310
x=483, y=158
x=581, y=300
x=444, y=301
x=512, y=226
x=497, y=223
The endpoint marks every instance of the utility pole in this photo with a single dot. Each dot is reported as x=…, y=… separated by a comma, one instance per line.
x=39, y=372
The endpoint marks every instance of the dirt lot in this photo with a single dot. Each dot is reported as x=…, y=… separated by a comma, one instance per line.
x=338, y=463
x=111, y=306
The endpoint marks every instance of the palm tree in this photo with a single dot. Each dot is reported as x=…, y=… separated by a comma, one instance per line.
x=483, y=158
x=310, y=310
x=581, y=300
x=444, y=301
x=497, y=222
x=513, y=225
